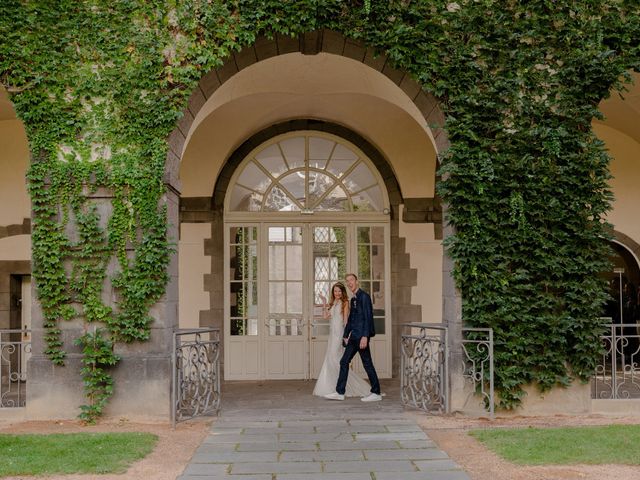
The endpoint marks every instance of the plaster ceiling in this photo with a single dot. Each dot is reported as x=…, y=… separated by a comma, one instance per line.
x=622, y=111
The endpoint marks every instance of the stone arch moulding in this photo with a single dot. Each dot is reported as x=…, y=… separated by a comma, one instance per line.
x=418, y=210
x=627, y=242
x=211, y=210
x=23, y=228
x=240, y=153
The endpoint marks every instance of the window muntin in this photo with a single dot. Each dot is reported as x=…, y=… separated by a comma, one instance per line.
x=243, y=285
x=306, y=172
x=371, y=265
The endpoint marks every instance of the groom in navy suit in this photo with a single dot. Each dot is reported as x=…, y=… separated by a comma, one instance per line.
x=357, y=332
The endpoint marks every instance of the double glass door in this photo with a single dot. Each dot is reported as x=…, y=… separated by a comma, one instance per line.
x=278, y=277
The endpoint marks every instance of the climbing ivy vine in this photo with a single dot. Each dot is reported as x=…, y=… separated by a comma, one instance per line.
x=100, y=85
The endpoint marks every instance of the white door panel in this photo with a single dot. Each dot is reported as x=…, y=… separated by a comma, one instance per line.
x=241, y=359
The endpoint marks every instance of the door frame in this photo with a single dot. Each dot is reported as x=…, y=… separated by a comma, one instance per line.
x=252, y=348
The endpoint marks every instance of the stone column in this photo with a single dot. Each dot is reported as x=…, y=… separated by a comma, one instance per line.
x=452, y=318
x=142, y=377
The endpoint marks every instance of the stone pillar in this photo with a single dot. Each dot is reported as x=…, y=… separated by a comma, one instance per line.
x=142, y=377
x=452, y=318
x=403, y=279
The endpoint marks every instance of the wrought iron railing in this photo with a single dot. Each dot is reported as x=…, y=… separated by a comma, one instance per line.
x=196, y=373
x=617, y=375
x=477, y=345
x=15, y=349
x=424, y=367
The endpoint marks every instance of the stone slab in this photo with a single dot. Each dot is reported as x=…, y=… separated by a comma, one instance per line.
x=315, y=437
x=277, y=429
x=206, y=469
x=360, y=445
x=210, y=448
x=275, y=447
x=277, y=467
x=239, y=437
x=352, y=428
x=235, y=457
x=370, y=466
x=325, y=456
x=405, y=454
x=403, y=428
x=322, y=476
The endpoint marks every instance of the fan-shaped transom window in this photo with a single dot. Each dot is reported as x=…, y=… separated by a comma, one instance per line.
x=306, y=172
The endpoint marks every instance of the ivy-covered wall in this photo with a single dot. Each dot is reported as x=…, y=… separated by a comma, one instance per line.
x=100, y=86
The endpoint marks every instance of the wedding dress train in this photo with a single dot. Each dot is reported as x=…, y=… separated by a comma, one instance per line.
x=328, y=377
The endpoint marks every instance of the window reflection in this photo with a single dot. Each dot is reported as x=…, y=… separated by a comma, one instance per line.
x=306, y=172
x=243, y=287
x=371, y=264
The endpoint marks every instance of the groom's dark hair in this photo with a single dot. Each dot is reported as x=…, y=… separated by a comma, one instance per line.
x=351, y=275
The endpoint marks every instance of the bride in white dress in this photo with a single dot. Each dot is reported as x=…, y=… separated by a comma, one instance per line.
x=328, y=377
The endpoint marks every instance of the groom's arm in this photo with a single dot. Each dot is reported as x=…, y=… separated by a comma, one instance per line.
x=346, y=332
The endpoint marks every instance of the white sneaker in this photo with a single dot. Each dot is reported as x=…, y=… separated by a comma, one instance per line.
x=334, y=396
x=372, y=397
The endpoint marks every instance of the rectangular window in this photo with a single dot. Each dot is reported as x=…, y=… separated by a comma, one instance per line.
x=371, y=265
x=243, y=280
x=285, y=281
x=329, y=267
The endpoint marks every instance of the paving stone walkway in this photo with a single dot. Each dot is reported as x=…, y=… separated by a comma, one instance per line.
x=282, y=432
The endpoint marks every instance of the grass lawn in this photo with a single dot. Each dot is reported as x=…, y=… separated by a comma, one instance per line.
x=567, y=445
x=72, y=452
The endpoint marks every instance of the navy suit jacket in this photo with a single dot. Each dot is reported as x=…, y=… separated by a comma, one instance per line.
x=360, y=323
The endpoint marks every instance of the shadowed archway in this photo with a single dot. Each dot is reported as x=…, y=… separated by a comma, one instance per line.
x=416, y=210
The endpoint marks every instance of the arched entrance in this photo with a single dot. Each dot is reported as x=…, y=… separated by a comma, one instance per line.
x=623, y=280
x=15, y=258
x=302, y=210
x=367, y=103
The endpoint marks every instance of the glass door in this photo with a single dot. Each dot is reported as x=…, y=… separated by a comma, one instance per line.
x=278, y=274
x=285, y=328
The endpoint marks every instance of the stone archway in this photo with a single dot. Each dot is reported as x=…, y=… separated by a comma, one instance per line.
x=326, y=41
x=210, y=210
x=627, y=242
x=380, y=162
x=416, y=210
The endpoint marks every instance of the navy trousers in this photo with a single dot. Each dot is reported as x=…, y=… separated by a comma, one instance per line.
x=350, y=351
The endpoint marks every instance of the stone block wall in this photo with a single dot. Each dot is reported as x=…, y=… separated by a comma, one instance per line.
x=143, y=376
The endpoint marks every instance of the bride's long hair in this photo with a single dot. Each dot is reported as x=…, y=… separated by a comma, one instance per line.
x=344, y=300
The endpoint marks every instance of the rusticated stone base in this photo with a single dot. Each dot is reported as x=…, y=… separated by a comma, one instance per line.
x=142, y=389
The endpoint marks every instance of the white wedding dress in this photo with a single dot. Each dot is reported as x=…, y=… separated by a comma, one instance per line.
x=328, y=377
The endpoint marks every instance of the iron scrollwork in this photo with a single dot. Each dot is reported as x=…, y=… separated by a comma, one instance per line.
x=477, y=345
x=15, y=349
x=424, y=367
x=196, y=375
x=617, y=376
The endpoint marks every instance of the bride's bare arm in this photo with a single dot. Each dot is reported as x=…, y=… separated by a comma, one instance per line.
x=325, y=308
